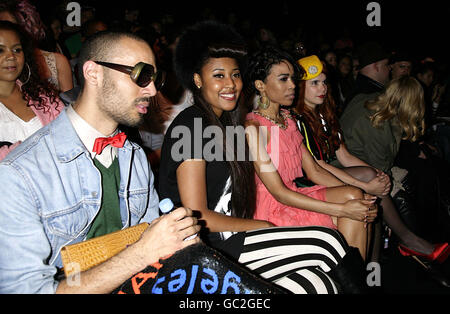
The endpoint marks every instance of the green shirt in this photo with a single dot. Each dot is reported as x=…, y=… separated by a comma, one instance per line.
x=376, y=146
x=108, y=218
x=74, y=43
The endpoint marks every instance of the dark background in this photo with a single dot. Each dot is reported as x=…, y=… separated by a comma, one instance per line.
x=421, y=27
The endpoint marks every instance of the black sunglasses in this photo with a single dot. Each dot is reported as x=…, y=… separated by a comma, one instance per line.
x=142, y=73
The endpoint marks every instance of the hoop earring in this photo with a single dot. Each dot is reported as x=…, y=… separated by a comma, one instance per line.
x=263, y=102
x=29, y=74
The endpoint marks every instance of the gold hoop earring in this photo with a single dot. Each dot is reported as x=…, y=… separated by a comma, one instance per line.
x=263, y=102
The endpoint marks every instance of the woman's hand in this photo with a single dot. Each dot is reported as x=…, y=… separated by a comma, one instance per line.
x=364, y=210
x=380, y=185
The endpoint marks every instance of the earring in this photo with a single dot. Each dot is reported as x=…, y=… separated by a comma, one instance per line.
x=263, y=102
x=29, y=74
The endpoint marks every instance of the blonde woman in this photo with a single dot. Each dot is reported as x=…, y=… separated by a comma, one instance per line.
x=373, y=133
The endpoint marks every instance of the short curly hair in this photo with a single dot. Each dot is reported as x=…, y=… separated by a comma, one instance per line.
x=261, y=63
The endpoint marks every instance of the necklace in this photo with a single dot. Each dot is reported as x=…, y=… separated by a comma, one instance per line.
x=282, y=114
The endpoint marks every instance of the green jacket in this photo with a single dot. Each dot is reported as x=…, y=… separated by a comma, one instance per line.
x=376, y=146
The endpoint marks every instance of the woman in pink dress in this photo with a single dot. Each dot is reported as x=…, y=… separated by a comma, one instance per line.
x=280, y=157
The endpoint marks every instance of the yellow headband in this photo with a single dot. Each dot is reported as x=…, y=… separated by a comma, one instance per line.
x=312, y=66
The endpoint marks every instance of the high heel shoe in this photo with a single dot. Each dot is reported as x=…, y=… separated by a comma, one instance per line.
x=440, y=253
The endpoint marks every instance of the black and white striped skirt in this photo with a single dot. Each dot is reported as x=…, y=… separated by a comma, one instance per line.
x=296, y=258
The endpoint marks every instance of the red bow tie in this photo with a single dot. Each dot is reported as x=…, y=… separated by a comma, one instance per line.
x=116, y=141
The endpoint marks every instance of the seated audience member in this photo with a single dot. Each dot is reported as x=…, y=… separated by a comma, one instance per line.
x=35, y=223
x=346, y=81
x=373, y=73
x=370, y=83
x=284, y=158
x=209, y=60
x=319, y=125
x=428, y=171
x=52, y=66
x=401, y=64
x=330, y=58
x=425, y=73
x=26, y=102
x=316, y=119
x=373, y=133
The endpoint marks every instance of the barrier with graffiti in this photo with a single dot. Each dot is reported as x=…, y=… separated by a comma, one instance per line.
x=198, y=269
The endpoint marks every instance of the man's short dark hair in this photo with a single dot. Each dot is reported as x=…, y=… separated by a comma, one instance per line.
x=101, y=47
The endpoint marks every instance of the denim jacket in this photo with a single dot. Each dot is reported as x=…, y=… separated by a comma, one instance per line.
x=50, y=195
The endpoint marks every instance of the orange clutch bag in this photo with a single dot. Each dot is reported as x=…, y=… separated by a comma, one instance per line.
x=87, y=254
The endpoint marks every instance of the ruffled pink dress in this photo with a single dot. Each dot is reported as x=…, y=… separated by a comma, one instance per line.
x=285, y=152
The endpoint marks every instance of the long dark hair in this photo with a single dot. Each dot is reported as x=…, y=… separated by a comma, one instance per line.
x=33, y=87
x=196, y=46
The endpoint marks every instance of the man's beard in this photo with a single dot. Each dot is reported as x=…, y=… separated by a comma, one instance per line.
x=116, y=108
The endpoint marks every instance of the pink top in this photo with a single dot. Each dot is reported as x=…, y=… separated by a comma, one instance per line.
x=285, y=152
x=45, y=115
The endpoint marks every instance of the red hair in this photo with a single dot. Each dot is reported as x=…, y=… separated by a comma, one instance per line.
x=328, y=111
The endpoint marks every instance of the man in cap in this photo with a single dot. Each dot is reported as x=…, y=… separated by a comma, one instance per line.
x=372, y=77
x=373, y=71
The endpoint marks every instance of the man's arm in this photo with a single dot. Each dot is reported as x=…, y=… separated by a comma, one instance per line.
x=153, y=203
x=163, y=237
x=23, y=242
x=26, y=248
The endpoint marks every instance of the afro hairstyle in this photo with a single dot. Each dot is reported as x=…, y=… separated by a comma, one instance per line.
x=204, y=40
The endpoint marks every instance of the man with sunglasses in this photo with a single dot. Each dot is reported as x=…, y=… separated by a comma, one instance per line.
x=79, y=178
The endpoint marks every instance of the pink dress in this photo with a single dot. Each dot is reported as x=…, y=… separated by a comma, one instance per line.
x=286, y=155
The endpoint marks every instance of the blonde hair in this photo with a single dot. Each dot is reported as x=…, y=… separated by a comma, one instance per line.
x=404, y=102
